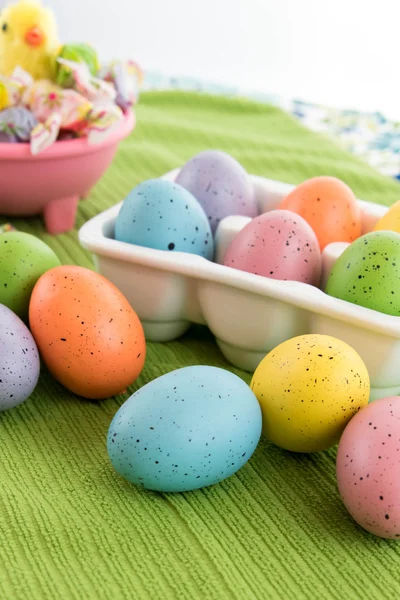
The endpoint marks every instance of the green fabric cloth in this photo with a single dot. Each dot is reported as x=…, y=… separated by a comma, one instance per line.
x=71, y=528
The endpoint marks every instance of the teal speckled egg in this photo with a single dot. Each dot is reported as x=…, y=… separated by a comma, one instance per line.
x=368, y=273
x=185, y=430
x=163, y=215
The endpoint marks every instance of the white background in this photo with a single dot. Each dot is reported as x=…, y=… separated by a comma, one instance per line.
x=340, y=52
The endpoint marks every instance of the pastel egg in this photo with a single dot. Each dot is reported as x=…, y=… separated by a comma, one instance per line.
x=19, y=360
x=309, y=387
x=88, y=334
x=368, y=273
x=185, y=430
x=23, y=259
x=162, y=215
x=368, y=464
x=390, y=220
x=329, y=206
x=220, y=184
x=278, y=245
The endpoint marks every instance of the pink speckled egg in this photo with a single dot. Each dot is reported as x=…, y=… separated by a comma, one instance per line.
x=278, y=244
x=368, y=467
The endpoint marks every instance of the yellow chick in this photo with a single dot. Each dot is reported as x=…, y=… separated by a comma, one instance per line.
x=28, y=39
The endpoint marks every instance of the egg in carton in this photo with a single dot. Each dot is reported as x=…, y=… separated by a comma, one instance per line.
x=248, y=315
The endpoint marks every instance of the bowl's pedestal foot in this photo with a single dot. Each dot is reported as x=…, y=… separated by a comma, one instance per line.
x=59, y=215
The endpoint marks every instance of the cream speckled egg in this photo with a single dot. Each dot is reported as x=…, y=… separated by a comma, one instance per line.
x=368, y=464
x=309, y=387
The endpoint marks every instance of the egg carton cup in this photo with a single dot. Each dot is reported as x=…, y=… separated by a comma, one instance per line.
x=248, y=314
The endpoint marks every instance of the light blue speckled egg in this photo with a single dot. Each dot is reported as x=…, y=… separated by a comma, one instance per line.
x=163, y=215
x=19, y=360
x=185, y=430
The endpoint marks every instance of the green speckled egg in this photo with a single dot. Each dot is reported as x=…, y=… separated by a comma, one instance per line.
x=23, y=259
x=309, y=388
x=368, y=273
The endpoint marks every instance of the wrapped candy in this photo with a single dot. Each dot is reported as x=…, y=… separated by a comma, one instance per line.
x=16, y=124
x=44, y=99
x=22, y=78
x=127, y=78
x=42, y=112
x=10, y=92
x=12, y=88
x=76, y=53
x=94, y=89
x=6, y=228
x=8, y=138
x=45, y=134
x=60, y=110
x=101, y=122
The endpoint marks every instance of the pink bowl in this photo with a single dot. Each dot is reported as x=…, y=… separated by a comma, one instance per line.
x=52, y=182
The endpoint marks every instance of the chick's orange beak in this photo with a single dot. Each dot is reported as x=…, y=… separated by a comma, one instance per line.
x=34, y=36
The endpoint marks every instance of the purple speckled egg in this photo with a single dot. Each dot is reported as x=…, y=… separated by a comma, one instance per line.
x=19, y=360
x=220, y=184
x=279, y=245
x=368, y=467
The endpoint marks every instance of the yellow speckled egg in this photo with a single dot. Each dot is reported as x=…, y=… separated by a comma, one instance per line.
x=309, y=388
x=390, y=220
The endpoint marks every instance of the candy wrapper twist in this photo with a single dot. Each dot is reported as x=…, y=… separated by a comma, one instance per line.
x=6, y=228
x=43, y=112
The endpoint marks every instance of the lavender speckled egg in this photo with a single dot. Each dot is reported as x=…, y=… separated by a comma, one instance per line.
x=19, y=360
x=185, y=430
x=220, y=184
x=162, y=215
x=279, y=245
x=368, y=466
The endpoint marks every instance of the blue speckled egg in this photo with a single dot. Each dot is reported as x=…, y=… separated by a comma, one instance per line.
x=185, y=430
x=19, y=360
x=163, y=215
x=220, y=184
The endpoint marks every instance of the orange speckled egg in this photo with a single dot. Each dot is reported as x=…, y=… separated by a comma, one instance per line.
x=329, y=206
x=88, y=334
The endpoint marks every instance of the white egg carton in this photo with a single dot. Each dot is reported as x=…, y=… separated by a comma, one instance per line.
x=248, y=314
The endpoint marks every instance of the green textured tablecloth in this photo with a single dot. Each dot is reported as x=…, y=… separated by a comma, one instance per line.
x=71, y=528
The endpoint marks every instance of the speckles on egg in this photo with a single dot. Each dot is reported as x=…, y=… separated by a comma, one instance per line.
x=220, y=184
x=188, y=429
x=278, y=245
x=368, y=463
x=163, y=215
x=329, y=206
x=309, y=387
x=19, y=360
x=88, y=334
x=368, y=273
